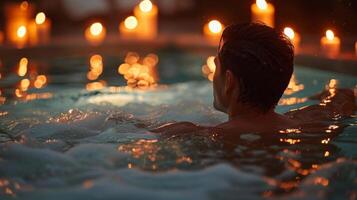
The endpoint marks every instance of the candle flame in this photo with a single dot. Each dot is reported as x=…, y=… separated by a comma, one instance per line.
x=289, y=32
x=330, y=35
x=22, y=67
x=262, y=4
x=21, y=31
x=40, y=18
x=96, y=28
x=215, y=26
x=146, y=6
x=24, y=5
x=131, y=22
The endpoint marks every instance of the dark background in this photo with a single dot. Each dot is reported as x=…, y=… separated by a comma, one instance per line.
x=306, y=16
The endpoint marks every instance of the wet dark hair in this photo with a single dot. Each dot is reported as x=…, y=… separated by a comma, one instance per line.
x=261, y=59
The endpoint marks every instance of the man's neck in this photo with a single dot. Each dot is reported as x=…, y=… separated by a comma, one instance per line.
x=249, y=113
x=250, y=119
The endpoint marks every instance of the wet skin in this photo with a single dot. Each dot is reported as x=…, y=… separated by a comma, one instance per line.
x=299, y=140
x=334, y=103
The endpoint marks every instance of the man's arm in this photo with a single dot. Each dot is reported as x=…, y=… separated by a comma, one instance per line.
x=334, y=104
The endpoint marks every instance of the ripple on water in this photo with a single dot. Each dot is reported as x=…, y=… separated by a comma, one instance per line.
x=97, y=145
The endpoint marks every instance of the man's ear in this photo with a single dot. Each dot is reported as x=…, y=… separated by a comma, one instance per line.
x=230, y=82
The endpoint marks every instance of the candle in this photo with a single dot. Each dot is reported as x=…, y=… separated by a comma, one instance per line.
x=213, y=30
x=294, y=38
x=39, y=30
x=146, y=14
x=95, y=33
x=263, y=12
x=356, y=47
x=330, y=44
x=17, y=18
x=128, y=28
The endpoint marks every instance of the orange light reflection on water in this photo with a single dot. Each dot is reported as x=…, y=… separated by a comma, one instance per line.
x=143, y=149
x=32, y=80
x=294, y=86
x=209, y=68
x=140, y=73
x=40, y=81
x=96, y=85
x=95, y=67
x=22, y=69
x=331, y=88
x=10, y=187
x=24, y=84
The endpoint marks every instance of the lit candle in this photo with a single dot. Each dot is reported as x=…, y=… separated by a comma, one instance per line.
x=128, y=28
x=22, y=36
x=294, y=38
x=95, y=33
x=17, y=18
x=356, y=47
x=330, y=44
x=263, y=12
x=213, y=30
x=39, y=30
x=146, y=14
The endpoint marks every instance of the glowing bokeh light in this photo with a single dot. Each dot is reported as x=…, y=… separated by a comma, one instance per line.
x=40, y=81
x=146, y=6
x=262, y=4
x=215, y=26
x=22, y=70
x=24, y=84
x=289, y=32
x=330, y=35
x=21, y=31
x=40, y=18
x=131, y=22
x=96, y=28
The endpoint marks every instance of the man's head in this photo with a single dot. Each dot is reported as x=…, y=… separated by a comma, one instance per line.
x=253, y=67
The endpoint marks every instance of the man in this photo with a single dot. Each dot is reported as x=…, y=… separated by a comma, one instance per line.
x=254, y=65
